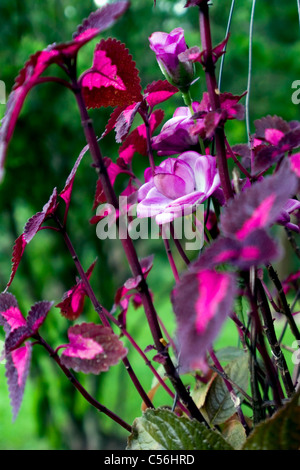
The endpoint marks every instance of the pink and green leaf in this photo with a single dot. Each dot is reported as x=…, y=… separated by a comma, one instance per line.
x=258, y=206
x=256, y=249
x=17, y=368
x=202, y=301
x=11, y=317
x=92, y=349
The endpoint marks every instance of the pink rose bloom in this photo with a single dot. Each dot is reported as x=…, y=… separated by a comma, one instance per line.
x=177, y=186
x=167, y=47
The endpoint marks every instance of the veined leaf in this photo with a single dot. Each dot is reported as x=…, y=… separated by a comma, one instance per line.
x=161, y=429
x=280, y=432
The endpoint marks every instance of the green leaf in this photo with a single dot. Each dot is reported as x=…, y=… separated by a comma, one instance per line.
x=218, y=405
x=234, y=433
x=161, y=429
x=280, y=432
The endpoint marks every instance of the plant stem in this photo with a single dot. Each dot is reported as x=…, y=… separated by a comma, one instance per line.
x=145, y=118
x=212, y=89
x=132, y=258
x=178, y=245
x=293, y=243
x=99, y=309
x=80, y=388
x=170, y=255
x=239, y=165
x=271, y=335
x=284, y=303
x=270, y=370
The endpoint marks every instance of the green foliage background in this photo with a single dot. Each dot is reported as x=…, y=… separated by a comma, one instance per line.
x=48, y=139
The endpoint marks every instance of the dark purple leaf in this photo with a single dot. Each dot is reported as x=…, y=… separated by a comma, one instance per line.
x=103, y=18
x=17, y=368
x=125, y=120
x=260, y=205
x=26, y=79
x=92, y=349
x=16, y=338
x=37, y=315
x=136, y=141
x=34, y=223
x=67, y=191
x=202, y=301
x=31, y=228
x=113, y=170
x=258, y=248
x=270, y=122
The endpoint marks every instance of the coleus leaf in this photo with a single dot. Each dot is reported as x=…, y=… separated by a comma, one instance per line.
x=72, y=303
x=277, y=137
x=125, y=120
x=113, y=170
x=260, y=205
x=129, y=290
x=258, y=248
x=122, y=116
x=26, y=79
x=65, y=194
x=159, y=91
x=295, y=164
x=97, y=22
x=92, y=348
x=17, y=368
x=202, y=300
x=56, y=53
x=31, y=228
x=34, y=321
x=136, y=141
x=102, y=74
x=16, y=327
x=103, y=18
x=95, y=97
x=11, y=317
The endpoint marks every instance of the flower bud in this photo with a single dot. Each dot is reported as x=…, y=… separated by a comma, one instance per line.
x=167, y=47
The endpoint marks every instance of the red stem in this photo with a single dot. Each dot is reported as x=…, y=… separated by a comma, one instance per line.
x=132, y=258
x=80, y=388
x=212, y=88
